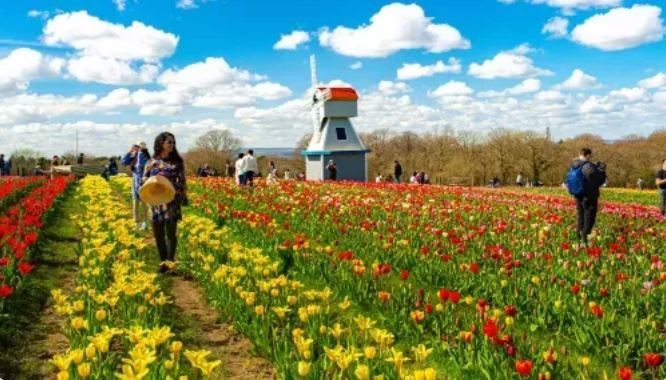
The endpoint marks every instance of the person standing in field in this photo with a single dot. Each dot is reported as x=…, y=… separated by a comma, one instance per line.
x=661, y=185
x=249, y=167
x=397, y=171
x=332, y=170
x=168, y=163
x=80, y=159
x=2, y=165
x=136, y=159
x=229, y=169
x=583, y=181
x=287, y=174
x=238, y=165
x=520, y=180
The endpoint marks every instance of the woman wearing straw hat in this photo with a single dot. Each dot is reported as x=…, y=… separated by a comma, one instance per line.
x=136, y=159
x=165, y=194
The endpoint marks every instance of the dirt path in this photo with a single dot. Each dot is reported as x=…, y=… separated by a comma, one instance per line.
x=234, y=349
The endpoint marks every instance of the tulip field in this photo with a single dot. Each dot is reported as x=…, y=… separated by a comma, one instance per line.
x=354, y=281
x=25, y=203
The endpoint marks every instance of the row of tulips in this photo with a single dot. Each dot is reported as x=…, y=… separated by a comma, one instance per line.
x=308, y=331
x=470, y=271
x=115, y=312
x=14, y=188
x=20, y=226
x=646, y=197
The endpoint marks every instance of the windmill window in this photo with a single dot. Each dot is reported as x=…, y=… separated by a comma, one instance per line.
x=342, y=133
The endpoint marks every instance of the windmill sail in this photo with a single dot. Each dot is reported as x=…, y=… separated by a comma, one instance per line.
x=316, y=118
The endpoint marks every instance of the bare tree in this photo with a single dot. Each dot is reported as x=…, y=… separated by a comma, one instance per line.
x=218, y=140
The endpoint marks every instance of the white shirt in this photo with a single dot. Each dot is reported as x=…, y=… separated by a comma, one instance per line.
x=239, y=166
x=249, y=164
x=287, y=175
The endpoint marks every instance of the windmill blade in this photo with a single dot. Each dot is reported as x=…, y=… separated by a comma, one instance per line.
x=313, y=71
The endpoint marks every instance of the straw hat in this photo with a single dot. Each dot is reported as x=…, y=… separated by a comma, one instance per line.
x=157, y=191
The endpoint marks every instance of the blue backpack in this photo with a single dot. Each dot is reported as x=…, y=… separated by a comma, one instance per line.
x=576, y=181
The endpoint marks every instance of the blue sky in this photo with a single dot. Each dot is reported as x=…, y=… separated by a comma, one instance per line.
x=118, y=70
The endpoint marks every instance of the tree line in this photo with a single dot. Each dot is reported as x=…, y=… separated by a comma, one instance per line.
x=449, y=156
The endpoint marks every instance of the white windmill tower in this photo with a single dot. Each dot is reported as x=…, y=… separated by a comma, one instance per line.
x=333, y=136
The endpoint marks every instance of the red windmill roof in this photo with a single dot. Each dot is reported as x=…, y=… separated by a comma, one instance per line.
x=341, y=93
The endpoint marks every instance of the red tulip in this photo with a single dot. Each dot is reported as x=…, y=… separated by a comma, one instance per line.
x=510, y=310
x=575, y=288
x=4, y=261
x=474, y=268
x=404, y=275
x=624, y=373
x=653, y=359
x=524, y=367
x=427, y=308
x=443, y=294
x=454, y=297
x=25, y=268
x=490, y=329
x=6, y=291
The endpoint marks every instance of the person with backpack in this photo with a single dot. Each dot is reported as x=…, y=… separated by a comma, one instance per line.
x=583, y=182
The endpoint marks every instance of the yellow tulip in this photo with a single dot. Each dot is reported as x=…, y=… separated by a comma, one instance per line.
x=303, y=368
x=362, y=372
x=176, y=346
x=100, y=314
x=83, y=370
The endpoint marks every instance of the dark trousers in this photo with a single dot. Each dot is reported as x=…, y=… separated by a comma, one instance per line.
x=662, y=201
x=397, y=178
x=166, y=239
x=247, y=178
x=587, y=216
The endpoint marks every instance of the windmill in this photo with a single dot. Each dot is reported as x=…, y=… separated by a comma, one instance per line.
x=333, y=135
x=317, y=95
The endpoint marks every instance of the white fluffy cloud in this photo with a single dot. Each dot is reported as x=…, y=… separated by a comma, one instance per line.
x=103, y=137
x=569, y=6
x=395, y=27
x=23, y=65
x=508, y=64
x=292, y=40
x=579, y=80
x=621, y=28
x=186, y=4
x=110, y=71
x=525, y=87
x=452, y=88
x=36, y=13
x=23, y=108
x=387, y=87
x=109, y=53
x=356, y=65
x=410, y=71
x=557, y=27
x=120, y=4
x=94, y=37
x=117, y=98
x=656, y=81
x=212, y=83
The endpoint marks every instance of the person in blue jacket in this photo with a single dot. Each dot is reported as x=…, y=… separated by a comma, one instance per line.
x=136, y=159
